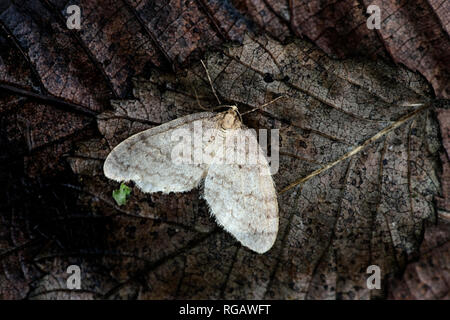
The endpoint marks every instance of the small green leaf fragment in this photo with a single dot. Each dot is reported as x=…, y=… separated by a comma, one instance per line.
x=121, y=194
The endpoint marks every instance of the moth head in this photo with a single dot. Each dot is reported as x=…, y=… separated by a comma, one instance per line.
x=231, y=118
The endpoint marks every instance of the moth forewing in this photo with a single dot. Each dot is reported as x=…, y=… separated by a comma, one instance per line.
x=146, y=158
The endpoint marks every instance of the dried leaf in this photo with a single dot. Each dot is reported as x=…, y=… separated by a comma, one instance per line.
x=81, y=69
x=443, y=113
x=415, y=33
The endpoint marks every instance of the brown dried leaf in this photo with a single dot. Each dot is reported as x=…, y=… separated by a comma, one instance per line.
x=414, y=33
x=82, y=69
x=369, y=208
x=46, y=68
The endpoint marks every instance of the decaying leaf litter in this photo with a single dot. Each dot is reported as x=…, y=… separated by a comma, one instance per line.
x=367, y=209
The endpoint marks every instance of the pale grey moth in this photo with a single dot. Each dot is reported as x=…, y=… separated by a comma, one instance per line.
x=241, y=196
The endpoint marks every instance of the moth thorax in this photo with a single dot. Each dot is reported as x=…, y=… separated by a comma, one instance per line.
x=230, y=120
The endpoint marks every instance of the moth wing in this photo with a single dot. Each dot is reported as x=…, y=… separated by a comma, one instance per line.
x=243, y=199
x=146, y=157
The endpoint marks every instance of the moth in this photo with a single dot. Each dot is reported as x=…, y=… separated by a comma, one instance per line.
x=241, y=196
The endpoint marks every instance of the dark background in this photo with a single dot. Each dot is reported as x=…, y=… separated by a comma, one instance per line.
x=54, y=81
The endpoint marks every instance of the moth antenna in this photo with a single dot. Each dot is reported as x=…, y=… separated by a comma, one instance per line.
x=265, y=104
x=198, y=100
x=411, y=104
x=210, y=82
